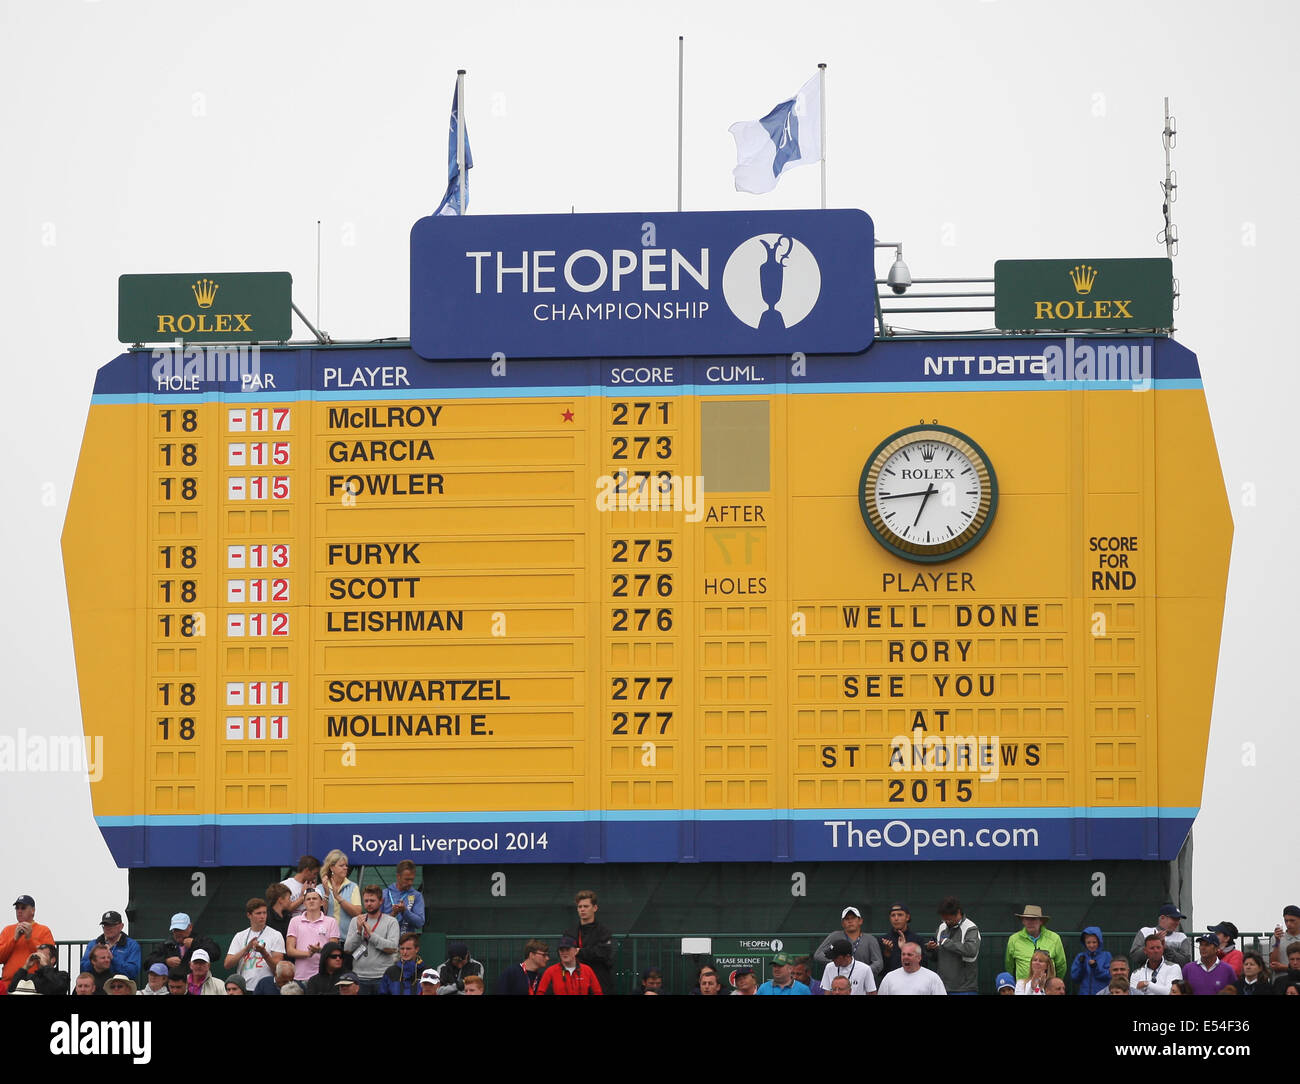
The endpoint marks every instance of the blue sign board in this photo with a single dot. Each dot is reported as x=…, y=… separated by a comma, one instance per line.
x=642, y=285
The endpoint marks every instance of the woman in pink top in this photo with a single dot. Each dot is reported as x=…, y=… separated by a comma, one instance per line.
x=309, y=930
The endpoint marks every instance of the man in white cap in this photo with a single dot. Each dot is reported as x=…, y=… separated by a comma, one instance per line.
x=429, y=983
x=865, y=947
x=202, y=980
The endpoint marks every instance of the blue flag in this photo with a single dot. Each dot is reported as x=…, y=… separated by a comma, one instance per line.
x=450, y=204
x=790, y=135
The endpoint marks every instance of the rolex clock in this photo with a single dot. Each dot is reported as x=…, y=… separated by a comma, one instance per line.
x=928, y=493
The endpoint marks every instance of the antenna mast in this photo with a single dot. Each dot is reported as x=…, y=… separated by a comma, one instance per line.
x=1169, y=188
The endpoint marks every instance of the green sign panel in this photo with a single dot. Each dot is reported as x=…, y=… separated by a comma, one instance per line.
x=207, y=307
x=1066, y=295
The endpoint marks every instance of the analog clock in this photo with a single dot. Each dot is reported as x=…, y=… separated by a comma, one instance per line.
x=928, y=493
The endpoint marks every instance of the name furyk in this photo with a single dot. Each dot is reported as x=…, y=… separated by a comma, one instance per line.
x=120, y=1038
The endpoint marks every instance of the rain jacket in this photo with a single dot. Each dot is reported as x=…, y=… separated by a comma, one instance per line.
x=1090, y=972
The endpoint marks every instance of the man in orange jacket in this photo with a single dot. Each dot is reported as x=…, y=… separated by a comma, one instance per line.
x=569, y=976
x=19, y=941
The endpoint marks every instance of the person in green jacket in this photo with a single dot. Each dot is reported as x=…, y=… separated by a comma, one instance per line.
x=1022, y=944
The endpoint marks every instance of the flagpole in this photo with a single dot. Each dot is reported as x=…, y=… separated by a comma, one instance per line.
x=821, y=71
x=460, y=140
x=681, y=54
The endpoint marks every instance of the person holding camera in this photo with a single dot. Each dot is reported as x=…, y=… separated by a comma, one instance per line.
x=42, y=968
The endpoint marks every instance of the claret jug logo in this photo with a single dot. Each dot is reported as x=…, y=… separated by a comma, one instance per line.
x=1082, y=277
x=185, y=323
x=771, y=281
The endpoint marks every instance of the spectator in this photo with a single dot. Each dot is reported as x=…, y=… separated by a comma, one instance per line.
x=126, y=952
x=892, y=940
x=19, y=940
x=176, y=952
x=178, y=983
x=803, y=974
x=652, y=981
x=1254, y=977
x=1227, y=934
x=342, y=896
x=307, y=875
x=1056, y=985
x=101, y=966
x=570, y=977
x=372, y=941
x=840, y=986
x=1289, y=981
x=1033, y=936
x=1119, y=969
x=783, y=981
x=403, y=978
x=120, y=986
x=911, y=977
x=1180, y=988
x=1041, y=968
x=1157, y=973
x=279, y=909
x=404, y=901
x=235, y=986
x=709, y=984
x=1178, y=949
x=955, y=949
x=1283, y=939
x=309, y=932
x=846, y=966
x=255, y=951
x=279, y=982
x=865, y=947
x=346, y=985
x=155, y=981
x=474, y=986
x=745, y=982
x=1006, y=983
x=1119, y=986
x=521, y=979
x=1209, y=974
x=85, y=985
x=1091, y=970
x=429, y=983
x=43, y=969
x=332, y=966
x=202, y=982
x=456, y=968
x=595, y=941
x=24, y=987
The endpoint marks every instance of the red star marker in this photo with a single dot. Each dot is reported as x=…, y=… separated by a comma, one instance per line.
x=567, y=415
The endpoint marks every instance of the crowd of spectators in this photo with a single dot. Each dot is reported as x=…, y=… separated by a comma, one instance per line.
x=317, y=932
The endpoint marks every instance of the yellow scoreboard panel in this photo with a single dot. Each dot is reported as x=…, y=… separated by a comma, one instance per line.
x=943, y=600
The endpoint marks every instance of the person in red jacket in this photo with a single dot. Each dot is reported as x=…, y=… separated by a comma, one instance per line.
x=25, y=936
x=569, y=976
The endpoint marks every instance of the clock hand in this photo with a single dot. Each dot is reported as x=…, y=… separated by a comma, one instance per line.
x=929, y=491
x=895, y=496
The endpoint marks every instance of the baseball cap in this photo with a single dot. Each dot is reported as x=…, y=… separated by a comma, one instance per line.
x=430, y=977
x=850, y=911
x=24, y=901
x=568, y=942
x=841, y=948
x=200, y=954
x=457, y=948
x=1170, y=911
x=180, y=921
x=1209, y=939
x=110, y=918
x=898, y=907
x=1228, y=928
x=1005, y=981
x=782, y=959
x=347, y=979
x=158, y=969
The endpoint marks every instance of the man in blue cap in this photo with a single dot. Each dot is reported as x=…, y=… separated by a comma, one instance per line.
x=1178, y=949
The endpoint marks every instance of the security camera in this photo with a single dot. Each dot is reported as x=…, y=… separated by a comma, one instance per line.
x=900, y=278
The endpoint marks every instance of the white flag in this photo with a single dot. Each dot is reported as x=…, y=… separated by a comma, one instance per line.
x=790, y=135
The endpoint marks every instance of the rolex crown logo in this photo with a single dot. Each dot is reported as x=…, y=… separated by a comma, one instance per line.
x=205, y=292
x=1083, y=277
x=927, y=452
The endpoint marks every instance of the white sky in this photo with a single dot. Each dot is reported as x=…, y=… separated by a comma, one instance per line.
x=178, y=136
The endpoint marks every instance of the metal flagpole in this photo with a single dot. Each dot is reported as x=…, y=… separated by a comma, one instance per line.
x=681, y=54
x=821, y=71
x=460, y=135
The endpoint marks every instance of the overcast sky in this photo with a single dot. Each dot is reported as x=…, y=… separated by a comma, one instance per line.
x=149, y=137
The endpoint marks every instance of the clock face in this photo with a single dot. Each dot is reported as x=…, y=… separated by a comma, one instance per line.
x=928, y=493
